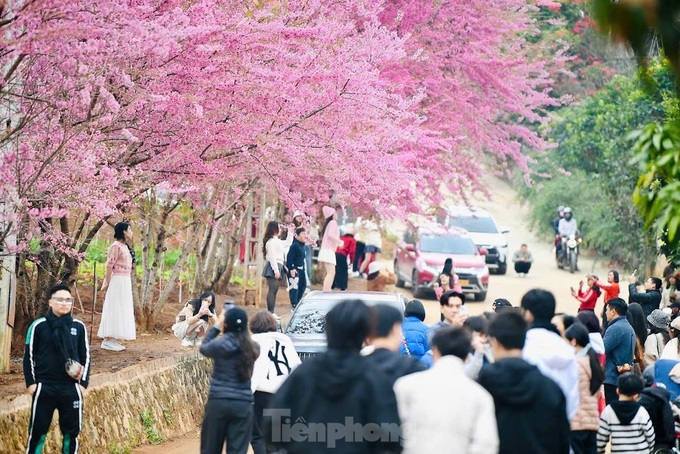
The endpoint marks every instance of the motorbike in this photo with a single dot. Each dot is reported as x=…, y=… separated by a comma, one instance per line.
x=567, y=255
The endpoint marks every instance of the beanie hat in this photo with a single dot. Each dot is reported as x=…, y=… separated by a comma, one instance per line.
x=327, y=211
x=235, y=320
x=659, y=318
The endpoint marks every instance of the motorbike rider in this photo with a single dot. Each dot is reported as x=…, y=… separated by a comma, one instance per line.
x=566, y=227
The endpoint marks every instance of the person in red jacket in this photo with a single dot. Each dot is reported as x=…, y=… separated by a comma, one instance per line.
x=611, y=290
x=588, y=297
x=342, y=253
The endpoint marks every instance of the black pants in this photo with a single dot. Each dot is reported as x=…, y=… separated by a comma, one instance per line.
x=258, y=442
x=297, y=285
x=226, y=420
x=522, y=267
x=68, y=401
x=341, y=272
x=583, y=441
x=359, y=256
x=610, y=393
x=273, y=288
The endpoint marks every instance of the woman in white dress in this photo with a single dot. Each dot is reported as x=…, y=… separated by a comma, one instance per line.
x=118, y=315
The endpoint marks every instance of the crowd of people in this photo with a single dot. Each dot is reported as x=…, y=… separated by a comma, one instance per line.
x=515, y=379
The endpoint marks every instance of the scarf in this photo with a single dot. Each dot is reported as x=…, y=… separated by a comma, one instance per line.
x=61, y=333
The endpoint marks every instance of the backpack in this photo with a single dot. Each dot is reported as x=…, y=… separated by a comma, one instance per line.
x=657, y=403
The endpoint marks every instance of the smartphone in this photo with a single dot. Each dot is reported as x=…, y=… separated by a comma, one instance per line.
x=572, y=289
x=228, y=305
x=463, y=310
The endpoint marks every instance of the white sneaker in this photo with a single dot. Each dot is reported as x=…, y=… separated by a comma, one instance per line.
x=112, y=345
x=186, y=342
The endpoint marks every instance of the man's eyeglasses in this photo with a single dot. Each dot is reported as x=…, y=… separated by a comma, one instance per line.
x=62, y=300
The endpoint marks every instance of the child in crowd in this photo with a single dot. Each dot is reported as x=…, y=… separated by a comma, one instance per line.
x=414, y=342
x=626, y=422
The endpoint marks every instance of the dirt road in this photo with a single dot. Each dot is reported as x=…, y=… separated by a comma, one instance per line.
x=544, y=274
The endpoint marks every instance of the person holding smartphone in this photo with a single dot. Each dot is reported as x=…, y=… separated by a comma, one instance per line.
x=651, y=298
x=229, y=411
x=198, y=313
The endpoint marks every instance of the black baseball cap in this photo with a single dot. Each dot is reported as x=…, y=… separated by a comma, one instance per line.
x=500, y=302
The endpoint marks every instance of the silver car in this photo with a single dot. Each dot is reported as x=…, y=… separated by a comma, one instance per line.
x=307, y=325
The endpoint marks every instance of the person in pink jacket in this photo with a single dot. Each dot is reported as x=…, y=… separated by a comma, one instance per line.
x=444, y=284
x=329, y=243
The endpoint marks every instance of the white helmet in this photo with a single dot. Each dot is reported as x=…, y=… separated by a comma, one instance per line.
x=566, y=210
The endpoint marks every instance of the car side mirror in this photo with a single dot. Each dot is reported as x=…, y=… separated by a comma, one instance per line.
x=505, y=230
x=483, y=251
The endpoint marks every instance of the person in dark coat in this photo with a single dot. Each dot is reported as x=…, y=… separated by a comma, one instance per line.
x=657, y=403
x=649, y=300
x=228, y=412
x=386, y=340
x=531, y=409
x=338, y=389
x=295, y=264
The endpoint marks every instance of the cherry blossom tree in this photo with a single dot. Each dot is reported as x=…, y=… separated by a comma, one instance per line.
x=375, y=104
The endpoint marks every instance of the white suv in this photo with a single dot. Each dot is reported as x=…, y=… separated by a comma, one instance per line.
x=484, y=231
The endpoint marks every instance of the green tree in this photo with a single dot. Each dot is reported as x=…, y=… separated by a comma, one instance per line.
x=590, y=168
x=650, y=27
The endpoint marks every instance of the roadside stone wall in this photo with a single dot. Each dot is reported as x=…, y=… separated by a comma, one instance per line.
x=136, y=405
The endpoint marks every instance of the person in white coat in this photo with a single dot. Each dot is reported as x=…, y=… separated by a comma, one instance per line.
x=442, y=410
x=277, y=360
x=546, y=349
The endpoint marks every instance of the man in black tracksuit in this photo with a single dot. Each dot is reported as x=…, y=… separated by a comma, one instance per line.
x=51, y=342
x=295, y=263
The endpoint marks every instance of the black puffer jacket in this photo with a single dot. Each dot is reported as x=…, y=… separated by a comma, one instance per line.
x=656, y=402
x=530, y=408
x=393, y=364
x=329, y=391
x=225, y=352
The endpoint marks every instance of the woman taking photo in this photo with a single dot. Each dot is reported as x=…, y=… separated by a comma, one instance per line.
x=330, y=242
x=587, y=298
x=229, y=412
x=118, y=314
x=272, y=248
x=199, y=314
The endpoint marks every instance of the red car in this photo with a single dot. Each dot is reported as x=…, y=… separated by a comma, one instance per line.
x=419, y=259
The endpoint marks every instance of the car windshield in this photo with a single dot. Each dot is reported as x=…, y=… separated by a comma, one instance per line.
x=473, y=224
x=310, y=317
x=447, y=244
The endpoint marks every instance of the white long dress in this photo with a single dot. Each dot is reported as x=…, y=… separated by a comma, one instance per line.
x=118, y=314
